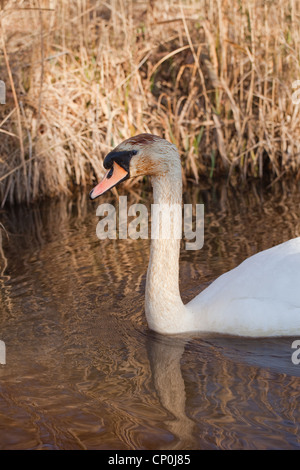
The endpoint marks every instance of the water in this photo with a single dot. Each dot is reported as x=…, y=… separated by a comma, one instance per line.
x=84, y=372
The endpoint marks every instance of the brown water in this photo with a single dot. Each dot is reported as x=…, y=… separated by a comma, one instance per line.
x=84, y=372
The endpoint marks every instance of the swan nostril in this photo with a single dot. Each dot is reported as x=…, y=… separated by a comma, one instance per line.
x=110, y=173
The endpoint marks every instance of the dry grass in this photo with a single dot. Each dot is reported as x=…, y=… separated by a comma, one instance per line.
x=215, y=77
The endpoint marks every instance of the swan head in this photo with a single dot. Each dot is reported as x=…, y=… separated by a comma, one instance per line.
x=144, y=154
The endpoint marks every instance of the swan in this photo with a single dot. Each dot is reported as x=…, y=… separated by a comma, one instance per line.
x=258, y=298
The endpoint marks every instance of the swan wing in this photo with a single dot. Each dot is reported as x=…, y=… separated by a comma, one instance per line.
x=260, y=297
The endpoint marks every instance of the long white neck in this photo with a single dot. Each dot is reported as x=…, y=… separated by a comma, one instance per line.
x=164, y=308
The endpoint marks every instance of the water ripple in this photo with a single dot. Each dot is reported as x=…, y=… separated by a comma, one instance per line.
x=84, y=372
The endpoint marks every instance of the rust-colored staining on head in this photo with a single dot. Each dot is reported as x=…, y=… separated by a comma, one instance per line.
x=147, y=166
x=142, y=139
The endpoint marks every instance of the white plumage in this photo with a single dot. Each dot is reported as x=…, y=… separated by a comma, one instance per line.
x=260, y=297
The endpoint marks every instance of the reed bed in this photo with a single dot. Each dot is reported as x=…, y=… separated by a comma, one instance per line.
x=214, y=77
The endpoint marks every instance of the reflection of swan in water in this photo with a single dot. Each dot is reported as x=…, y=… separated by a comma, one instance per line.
x=261, y=297
x=165, y=356
x=236, y=382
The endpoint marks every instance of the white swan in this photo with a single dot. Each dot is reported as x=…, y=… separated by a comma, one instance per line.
x=260, y=297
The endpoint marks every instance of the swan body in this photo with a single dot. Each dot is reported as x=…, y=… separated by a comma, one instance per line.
x=260, y=297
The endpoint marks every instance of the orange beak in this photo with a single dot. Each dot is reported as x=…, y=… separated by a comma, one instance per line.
x=113, y=176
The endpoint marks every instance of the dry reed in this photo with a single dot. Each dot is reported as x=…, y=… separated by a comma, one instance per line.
x=215, y=77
